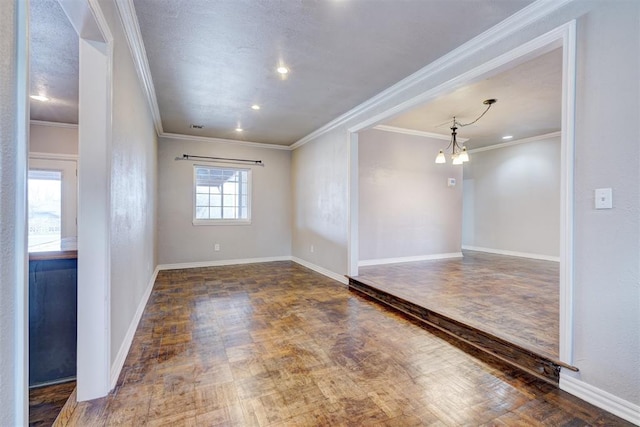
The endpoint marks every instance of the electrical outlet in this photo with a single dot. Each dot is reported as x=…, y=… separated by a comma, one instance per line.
x=216, y=247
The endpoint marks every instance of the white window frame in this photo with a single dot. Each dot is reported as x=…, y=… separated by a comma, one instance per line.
x=68, y=167
x=221, y=221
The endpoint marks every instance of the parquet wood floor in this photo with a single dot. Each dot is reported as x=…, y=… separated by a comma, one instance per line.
x=276, y=344
x=514, y=298
x=45, y=403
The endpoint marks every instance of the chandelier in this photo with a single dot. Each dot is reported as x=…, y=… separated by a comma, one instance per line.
x=459, y=153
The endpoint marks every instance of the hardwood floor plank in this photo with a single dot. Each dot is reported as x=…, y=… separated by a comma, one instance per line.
x=514, y=298
x=275, y=344
x=46, y=402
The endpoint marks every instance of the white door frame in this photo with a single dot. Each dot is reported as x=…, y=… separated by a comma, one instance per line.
x=563, y=36
x=94, y=197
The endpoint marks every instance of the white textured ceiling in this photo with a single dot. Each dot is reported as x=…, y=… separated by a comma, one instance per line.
x=529, y=104
x=53, y=45
x=211, y=60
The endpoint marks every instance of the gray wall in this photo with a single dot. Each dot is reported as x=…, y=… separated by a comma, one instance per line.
x=319, y=177
x=53, y=139
x=406, y=208
x=268, y=235
x=133, y=187
x=607, y=243
x=512, y=199
x=13, y=166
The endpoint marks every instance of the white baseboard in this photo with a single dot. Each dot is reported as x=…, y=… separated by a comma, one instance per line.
x=330, y=274
x=600, y=398
x=117, y=365
x=512, y=253
x=381, y=261
x=179, y=266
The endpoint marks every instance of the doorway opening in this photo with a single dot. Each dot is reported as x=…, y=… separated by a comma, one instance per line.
x=561, y=40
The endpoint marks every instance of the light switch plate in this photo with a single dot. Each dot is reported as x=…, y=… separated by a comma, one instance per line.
x=603, y=198
x=451, y=182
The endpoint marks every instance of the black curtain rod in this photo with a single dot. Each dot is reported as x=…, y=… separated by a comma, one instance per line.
x=208, y=158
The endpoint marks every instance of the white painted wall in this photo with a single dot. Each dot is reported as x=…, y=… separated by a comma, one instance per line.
x=512, y=199
x=319, y=173
x=268, y=235
x=607, y=243
x=406, y=207
x=133, y=195
x=13, y=170
x=53, y=139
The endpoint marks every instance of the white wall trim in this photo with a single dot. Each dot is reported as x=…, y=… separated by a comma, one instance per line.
x=53, y=156
x=567, y=191
x=54, y=124
x=500, y=31
x=118, y=363
x=551, y=135
x=330, y=274
x=224, y=141
x=127, y=12
x=219, y=263
x=382, y=261
x=600, y=398
x=17, y=408
x=415, y=132
x=512, y=253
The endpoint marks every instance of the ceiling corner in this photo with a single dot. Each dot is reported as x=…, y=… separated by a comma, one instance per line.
x=127, y=12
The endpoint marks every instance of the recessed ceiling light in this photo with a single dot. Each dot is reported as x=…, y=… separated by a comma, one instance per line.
x=41, y=98
x=239, y=129
x=507, y=137
x=255, y=107
x=282, y=70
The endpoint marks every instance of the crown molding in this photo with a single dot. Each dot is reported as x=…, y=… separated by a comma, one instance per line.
x=129, y=19
x=225, y=141
x=52, y=156
x=415, y=132
x=54, y=124
x=557, y=134
x=500, y=31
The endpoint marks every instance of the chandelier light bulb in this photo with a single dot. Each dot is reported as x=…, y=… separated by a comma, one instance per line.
x=440, y=157
x=464, y=156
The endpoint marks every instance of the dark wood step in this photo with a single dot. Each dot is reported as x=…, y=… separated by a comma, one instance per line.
x=536, y=364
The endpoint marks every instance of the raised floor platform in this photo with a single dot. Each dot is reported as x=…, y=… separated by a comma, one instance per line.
x=506, y=306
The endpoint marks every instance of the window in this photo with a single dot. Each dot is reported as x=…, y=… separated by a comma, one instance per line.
x=52, y=194
x=222, y=195
x=45, y=206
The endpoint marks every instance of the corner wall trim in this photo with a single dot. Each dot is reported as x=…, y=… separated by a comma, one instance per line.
x=414, y=132
x=127, y=12
x=382, y=261
x=53, y=156
x=518, y=142
x=512, y=253
x=220, y=263
x=600, y=398
x=118, y=363
x=54, y=124
x=514, y=23
x=330, y=274
x=224, y=141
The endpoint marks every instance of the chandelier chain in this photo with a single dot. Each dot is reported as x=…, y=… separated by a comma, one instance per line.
x=455, y=122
